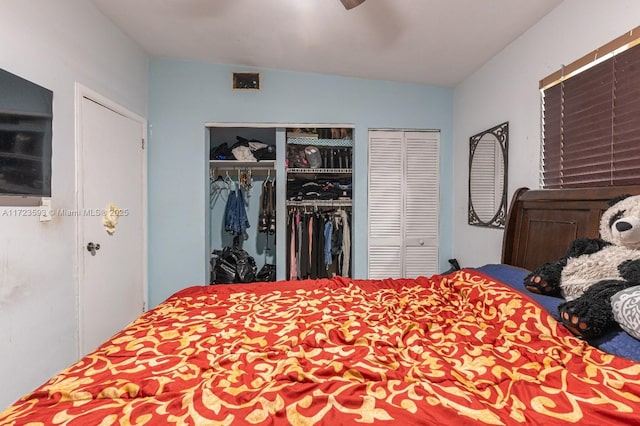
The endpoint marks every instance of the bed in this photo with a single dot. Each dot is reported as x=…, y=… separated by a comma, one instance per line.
x=468, y=347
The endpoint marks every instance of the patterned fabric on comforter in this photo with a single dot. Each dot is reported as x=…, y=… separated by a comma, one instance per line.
x=460, y=349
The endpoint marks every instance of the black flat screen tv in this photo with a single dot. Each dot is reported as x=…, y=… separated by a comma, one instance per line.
x=26, y=115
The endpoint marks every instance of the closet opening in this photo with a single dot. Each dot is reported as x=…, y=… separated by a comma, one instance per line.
x=263, y=176
x=242, y=204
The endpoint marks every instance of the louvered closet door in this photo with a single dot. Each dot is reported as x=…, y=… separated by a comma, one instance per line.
x=421, y=203
x=385, y=204
x=403, y=203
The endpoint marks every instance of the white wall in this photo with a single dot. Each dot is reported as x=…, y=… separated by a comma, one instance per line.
x=506, y=89
x=54, y=44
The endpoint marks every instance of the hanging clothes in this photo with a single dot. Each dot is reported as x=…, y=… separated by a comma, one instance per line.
x=292, y=262
x=346, y=243
x=271, y=207
x=236, y=221
x=328, y=231
x=304, y=246
x=336, y=245
x=267, y=215
x=317, y=244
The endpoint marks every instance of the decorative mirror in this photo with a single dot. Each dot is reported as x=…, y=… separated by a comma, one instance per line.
x=488, y=177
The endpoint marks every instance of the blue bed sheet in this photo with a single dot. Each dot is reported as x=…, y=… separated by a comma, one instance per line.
x=616, y=342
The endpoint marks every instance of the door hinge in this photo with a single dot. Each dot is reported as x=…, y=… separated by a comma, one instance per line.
x=142, y=140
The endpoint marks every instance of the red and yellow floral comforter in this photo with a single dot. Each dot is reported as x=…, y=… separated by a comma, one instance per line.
x=461, y=349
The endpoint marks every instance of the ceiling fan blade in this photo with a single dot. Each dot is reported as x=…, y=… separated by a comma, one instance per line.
x=350, y=4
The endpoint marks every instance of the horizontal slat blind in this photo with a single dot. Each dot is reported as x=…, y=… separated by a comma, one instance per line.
x=586, y=127
x=591, y=125
x=552, y=131
x=626, y=118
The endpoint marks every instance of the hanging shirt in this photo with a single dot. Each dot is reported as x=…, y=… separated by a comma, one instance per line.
x=321, y=269
x=328, y=230
x=299, y=238
x=236, y=221
x=346, y=243
x=293, y=265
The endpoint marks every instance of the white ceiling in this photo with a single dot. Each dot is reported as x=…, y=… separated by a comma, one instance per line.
x=436, y=42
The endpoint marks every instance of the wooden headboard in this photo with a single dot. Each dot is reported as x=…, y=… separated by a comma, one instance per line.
x=542, y=223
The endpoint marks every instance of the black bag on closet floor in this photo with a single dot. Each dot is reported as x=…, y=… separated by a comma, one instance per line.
x=234, y=265
x=267, y=273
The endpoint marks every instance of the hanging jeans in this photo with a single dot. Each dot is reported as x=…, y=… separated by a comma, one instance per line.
x=235, y=215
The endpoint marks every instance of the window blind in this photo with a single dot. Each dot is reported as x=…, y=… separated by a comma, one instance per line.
x=591, y=125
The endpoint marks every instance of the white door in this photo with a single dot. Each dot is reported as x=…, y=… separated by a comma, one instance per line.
x=386, y=187
x=111, y=277
x=403, y=203
x=421, y=203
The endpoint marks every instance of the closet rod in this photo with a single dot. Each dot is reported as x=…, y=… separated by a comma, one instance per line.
x=319, y=203
x=235, y=165
x=214, y=170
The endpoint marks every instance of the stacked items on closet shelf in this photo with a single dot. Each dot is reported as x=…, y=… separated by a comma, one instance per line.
x=319, y=194
x=243, y=149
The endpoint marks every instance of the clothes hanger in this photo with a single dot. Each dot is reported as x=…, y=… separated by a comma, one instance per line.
x=218, y=184
x=230, y=183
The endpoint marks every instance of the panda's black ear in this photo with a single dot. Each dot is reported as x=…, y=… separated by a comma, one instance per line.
x=618, y=199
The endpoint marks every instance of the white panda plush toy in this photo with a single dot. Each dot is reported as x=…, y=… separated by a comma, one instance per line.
x=594, y=271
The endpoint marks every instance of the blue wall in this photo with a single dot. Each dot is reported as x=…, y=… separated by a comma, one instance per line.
x=183, y=96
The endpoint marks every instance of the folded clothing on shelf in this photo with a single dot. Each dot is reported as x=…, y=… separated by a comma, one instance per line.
x=318, y=189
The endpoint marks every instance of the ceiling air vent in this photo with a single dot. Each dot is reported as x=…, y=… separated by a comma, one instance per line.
x=246, y=81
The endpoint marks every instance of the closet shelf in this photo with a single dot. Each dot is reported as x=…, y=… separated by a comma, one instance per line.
x=319, y=203
x=236, y=164
x=320, y=142
x=319, y=170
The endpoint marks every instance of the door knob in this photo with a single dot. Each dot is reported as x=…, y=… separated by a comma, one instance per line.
x=91, y=247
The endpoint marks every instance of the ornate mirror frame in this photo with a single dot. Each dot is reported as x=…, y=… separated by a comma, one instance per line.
x=488, y=160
